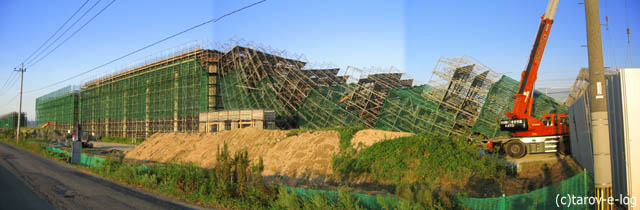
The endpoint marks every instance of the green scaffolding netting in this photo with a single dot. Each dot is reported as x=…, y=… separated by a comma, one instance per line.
x=544, y=104
x=152, y=93
x=237, y=95
x=407, y=110
x=500, y=100
x=61, y=109
x=322, y=108
x=149, y=99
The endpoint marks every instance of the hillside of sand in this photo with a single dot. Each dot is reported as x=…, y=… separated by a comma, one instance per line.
x=305, y=156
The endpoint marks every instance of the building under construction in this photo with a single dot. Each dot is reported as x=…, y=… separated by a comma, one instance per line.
x=168, y=94
x=58, y=109
x=10, y=120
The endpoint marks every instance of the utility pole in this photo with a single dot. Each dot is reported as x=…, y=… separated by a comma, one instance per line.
x=21, y=70
x=598, y=104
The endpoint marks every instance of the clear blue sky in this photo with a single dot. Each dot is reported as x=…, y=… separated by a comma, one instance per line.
x=409, y=35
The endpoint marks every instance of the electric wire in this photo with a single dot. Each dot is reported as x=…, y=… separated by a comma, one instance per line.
x=44, y=43
x=11, y=76
x=62, y=34
x=74, y=33
x=11, y=100
x=59, y=28
x=149, y=45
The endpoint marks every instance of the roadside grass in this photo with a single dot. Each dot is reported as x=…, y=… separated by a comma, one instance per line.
x=235, y=184
x=30, y=144
x=425, y=171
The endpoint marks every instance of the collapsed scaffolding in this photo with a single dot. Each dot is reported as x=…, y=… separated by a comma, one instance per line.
x=167, y=94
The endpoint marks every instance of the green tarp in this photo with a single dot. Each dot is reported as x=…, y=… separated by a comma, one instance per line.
x=85, y=160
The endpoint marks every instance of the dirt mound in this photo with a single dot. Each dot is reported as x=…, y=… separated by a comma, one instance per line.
x=303, y=157
x=370, y=136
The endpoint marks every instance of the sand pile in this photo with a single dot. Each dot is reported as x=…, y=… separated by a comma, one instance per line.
x=306, y=156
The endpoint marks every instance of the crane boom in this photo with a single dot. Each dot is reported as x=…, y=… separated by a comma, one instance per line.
x=531, y=135
x=523, y=98
x=521, y=123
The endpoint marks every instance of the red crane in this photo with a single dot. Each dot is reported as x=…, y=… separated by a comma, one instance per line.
x=531, y=135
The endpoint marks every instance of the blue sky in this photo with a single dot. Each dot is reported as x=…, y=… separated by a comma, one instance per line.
x=408, y=35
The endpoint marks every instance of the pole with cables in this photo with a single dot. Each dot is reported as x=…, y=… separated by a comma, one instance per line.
x=21, y=70
x=598, y=105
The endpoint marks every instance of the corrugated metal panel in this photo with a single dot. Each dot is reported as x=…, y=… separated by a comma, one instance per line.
x=580, y=135
x=616, y=137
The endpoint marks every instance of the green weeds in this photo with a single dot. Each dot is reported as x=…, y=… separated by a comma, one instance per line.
x=297, y=131
x=122, y=140
x=234, y=183
x=426, y=170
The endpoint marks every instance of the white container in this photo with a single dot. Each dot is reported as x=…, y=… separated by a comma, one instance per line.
x=623, y=105
x=631, y=111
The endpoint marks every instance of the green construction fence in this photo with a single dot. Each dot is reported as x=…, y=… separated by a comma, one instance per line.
x=580, y=185
x=85, y=160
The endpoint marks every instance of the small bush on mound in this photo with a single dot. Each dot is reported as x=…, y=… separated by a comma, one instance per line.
x=426, y=169
x=297, y=131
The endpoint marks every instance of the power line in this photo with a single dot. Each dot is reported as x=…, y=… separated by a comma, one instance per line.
x=11, y=100
x=63, y=33
x=45, y=42
x=8, y=79
x=59, y=28
x=150, y=45
x=74, y=33
x=11, y=84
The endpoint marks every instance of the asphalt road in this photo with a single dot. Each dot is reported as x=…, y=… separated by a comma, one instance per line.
x=29, y=181
x=14, y=194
